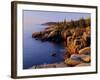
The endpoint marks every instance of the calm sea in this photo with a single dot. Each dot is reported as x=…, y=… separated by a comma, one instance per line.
x=36, y=52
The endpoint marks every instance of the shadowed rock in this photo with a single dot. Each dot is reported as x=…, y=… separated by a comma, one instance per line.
x=86, y=51
x=86, y=58
x=81, y=57
x=54, y=54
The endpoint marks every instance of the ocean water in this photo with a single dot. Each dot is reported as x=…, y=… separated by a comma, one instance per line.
x=36, y=52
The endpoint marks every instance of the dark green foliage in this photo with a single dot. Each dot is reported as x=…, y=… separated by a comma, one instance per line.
x=60, y=30
x=81, y=23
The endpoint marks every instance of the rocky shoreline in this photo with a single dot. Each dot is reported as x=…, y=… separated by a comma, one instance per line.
x=76, y=37
x=54, y=65
x=78, y=60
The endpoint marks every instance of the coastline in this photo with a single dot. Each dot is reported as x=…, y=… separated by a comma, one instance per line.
x=58, y=65
x=76, y=36
x=53, y=65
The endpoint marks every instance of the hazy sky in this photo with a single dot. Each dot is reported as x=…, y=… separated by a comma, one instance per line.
x=39, y=17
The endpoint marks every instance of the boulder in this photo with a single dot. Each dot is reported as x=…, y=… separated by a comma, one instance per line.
x=81, y=57
x=85, y=58
x=86, y=51
x=72, y=62
x=76, y=57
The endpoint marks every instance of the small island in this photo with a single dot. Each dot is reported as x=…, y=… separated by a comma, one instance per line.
x=75, y=35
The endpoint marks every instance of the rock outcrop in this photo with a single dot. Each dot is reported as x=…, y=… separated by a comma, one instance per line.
x=53, y=36
x=82, y=57
x=76, y=39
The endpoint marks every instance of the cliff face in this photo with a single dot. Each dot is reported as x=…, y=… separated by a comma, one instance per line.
x=76, y=36
x=77, y=47
x=48, y=35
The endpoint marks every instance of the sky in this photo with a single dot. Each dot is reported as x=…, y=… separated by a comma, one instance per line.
x=40, y=17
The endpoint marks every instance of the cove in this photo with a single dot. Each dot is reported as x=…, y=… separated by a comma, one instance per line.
x=36, y=52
